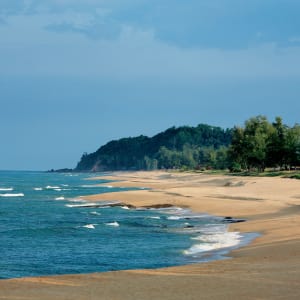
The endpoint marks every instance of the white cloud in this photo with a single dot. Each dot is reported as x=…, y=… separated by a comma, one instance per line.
x=294, y=39
x=224, y=24
x=27, y=49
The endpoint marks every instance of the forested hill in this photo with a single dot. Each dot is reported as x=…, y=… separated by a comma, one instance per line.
x=179, y=147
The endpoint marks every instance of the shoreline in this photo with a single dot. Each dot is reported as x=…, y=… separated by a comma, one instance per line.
x=271, y=262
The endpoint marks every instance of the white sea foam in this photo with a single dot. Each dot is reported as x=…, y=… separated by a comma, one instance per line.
x=125, y=207
x=82, y=205
x=77, y=200
x=58, y=190
x=60, y=198
x=174, y=210
x=64, y=185
x=12, y=195
x=95, y=213
x=6, y=189
x=49, y=187
x=89, y=226
x=174, y=218
x=217, y=241
x=89, y=185
x=38, y=189
x=158, y=218
x=109, y=186
x=115, y=224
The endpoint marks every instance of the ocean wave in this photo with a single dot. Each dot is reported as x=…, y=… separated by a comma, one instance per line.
x=12, y=195
x=77, y=200
x=174, y=218
x=174, y=210
x=115, y=224
x=6, y=189
x=89, y=185
x=217, y=241
x=60, y=198
x=125, y=207
x=95, y=213
x=89, y=226
x=83, y=205
x=38, y=189
x=49, y=187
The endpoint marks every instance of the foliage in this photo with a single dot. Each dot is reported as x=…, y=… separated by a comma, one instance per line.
x=182, y=147
x=247, y=150
x=261, y=144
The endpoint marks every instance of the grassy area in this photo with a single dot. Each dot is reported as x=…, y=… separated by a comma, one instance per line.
x=270, y=173
x=267, y=173
x=296, y=175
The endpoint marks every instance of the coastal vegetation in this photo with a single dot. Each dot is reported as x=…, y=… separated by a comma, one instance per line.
x=258, y=145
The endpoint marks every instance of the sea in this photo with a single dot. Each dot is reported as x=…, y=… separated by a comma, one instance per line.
x=47, y=227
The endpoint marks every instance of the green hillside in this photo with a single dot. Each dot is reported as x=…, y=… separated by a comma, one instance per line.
x=257, y=145
x=174, y=148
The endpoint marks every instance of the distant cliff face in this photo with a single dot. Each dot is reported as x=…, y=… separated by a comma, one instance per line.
x=173, y=148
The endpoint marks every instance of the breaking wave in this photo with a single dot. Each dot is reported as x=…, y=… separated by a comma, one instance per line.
x=217, y=241
x=6, y=189
x=12, y=195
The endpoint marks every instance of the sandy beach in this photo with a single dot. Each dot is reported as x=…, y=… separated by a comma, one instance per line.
x=268, y=268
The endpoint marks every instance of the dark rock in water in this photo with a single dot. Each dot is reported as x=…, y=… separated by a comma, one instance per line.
x=158, y=206
x=232, y=220
x=189, y=226
x=65, y=170
x=239, y=221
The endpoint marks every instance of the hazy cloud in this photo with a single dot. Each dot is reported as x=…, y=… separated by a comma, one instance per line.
x=27, y=48
x=95, y=26
x=224, y=24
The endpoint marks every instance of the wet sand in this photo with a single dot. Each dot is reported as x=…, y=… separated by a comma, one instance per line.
x=268, y=268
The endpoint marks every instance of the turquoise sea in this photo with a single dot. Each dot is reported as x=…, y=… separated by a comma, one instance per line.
x=47, y=228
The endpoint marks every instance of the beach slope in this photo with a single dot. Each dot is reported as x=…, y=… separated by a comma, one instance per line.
x=268, y=268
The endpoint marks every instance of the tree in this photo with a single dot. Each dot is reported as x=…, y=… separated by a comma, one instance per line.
x=221, y=160
x=237, y=151
x=189, y=153
x=249, y=144
x=276, y=151
x=292, y=146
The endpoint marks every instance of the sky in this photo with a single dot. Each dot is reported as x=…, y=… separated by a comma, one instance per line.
x=75, y=74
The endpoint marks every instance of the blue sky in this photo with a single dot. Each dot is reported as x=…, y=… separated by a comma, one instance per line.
x=75, y=74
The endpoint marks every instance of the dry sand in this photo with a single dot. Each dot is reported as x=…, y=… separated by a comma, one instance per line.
x=268, y=268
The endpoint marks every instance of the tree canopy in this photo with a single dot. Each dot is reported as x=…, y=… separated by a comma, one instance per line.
x=180, y=147
x=257, y=145
x=260, y=144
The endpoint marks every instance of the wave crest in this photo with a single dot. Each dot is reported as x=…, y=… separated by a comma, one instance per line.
x=217, y=241
x=12, y=195
x=6, y=189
